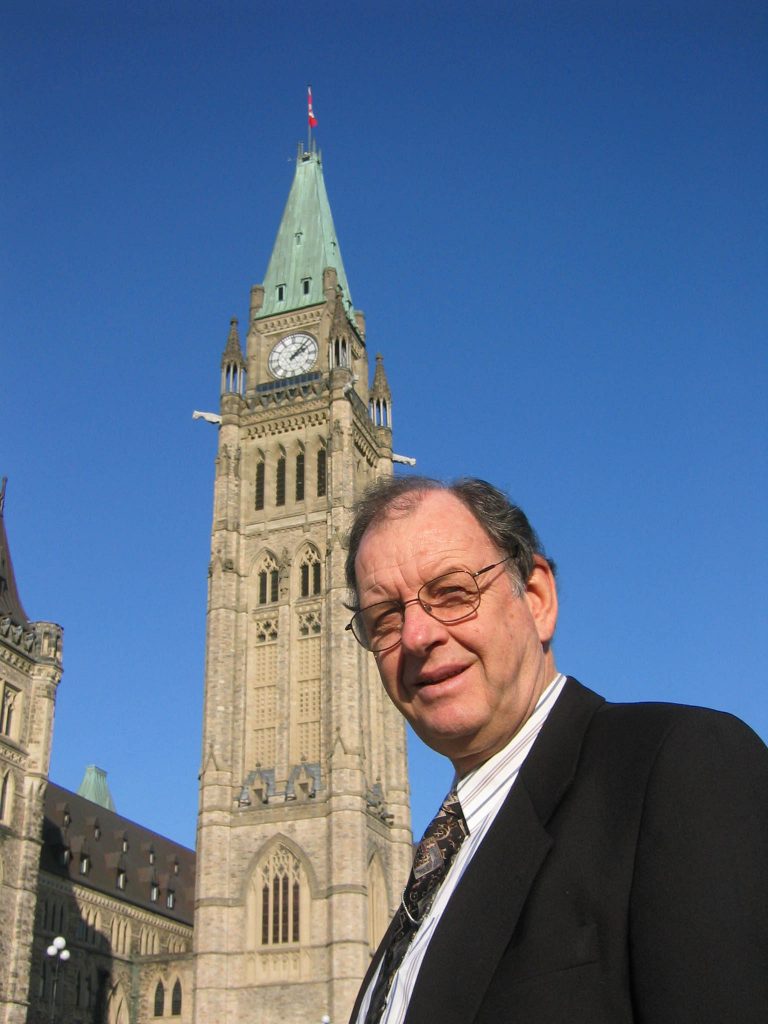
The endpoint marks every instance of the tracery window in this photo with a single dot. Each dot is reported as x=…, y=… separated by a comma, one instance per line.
x=310, y=571
x=269, y=580
x=281, y=899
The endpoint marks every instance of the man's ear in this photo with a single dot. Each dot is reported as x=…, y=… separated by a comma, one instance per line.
x=541, y=595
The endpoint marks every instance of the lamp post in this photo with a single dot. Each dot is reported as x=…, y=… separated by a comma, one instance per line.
x=58, y=950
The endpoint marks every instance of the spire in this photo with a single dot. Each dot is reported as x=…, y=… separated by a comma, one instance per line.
x=232, y=363
x=381, y=396
x=10, y=603
x=94, y=787
x=305, y=245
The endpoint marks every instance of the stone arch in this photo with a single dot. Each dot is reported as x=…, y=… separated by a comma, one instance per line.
x=117, y=1006
x=7, y=793
x=378, y=902
x=280, y=889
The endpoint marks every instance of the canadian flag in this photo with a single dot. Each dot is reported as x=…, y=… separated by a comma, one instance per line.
x=310, y=112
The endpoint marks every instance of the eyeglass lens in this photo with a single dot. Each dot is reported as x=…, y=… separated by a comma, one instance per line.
x=448, y=598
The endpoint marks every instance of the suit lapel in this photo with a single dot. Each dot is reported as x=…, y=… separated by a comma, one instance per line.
x=482, y=914
x=375, y=960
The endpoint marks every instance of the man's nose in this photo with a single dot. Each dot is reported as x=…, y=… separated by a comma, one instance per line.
x=420, y=629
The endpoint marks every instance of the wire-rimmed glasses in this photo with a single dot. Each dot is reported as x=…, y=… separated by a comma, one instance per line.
x=447, y=598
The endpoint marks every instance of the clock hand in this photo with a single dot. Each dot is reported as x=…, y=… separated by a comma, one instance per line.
x=298, y=351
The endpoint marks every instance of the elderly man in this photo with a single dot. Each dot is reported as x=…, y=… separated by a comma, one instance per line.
x=594, y=863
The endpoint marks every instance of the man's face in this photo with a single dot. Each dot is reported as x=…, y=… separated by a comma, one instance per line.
x=466, y=688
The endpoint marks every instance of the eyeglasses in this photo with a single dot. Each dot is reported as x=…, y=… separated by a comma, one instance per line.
x=448, y=598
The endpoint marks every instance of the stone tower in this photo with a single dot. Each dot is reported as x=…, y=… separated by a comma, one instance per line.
x=304, y=838
x=30, y=670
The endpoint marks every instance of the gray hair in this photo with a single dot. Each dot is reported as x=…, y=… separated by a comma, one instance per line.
x=505, y=523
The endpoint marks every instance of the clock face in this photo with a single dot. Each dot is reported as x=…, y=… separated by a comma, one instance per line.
x=292, y=355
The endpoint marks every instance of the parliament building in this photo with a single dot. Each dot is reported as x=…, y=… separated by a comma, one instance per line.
x=303, y=833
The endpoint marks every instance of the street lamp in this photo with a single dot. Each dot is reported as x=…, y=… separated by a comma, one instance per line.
x=57, y=949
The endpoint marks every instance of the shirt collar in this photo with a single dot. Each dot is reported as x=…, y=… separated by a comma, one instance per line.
x=477, y=789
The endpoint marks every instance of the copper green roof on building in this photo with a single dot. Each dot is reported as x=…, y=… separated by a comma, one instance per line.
x=94, y=787
x=306, y=244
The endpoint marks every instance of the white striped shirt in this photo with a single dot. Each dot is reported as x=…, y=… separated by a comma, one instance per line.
x=481, y=793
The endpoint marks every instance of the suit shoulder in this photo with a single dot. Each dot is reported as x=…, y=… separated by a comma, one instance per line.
x=681, y=729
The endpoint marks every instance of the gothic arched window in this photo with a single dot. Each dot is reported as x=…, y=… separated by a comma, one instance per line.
x=280, y=482
x=258, y=502
x=310, y=574
x=269, y=579
x=300, y=476
x=281, y=881
x=176, y=999
x=321, y=472
x=159, y=999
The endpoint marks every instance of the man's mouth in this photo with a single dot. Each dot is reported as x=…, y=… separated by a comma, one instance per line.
x=438, y=675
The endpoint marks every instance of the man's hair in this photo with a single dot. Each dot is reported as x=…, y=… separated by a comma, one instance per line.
x=505, y=523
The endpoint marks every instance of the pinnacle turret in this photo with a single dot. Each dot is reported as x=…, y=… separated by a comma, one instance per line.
x=232, y=363
x=10, y=602
x=381, y=396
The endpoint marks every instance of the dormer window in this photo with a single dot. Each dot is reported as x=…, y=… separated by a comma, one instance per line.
x=96, y=831
x=85, y=863
x=175, y=867
x=154, y=892
x=170, y=899
x=122, y=878
x=125, y=844
x=281, y=293
x=305, y=285
x=151, y=855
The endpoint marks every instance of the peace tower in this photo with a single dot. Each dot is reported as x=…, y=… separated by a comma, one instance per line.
x=303, y=839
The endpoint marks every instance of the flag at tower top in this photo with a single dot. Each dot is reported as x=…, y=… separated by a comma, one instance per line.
x=310, y=112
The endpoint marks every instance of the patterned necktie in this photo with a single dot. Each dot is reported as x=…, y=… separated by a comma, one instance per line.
x=434, y=854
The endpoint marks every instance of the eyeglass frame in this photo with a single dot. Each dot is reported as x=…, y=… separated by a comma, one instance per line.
x=417, y=600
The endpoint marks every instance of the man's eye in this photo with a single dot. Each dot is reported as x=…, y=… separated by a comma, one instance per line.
x=448, y=592
x=384, y=621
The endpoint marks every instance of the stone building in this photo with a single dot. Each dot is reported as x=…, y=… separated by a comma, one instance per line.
x=303, y=841
x=304, y=837
x=122, y=896
x=30, y=670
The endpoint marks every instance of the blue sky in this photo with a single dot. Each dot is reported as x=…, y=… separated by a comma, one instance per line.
x=554, y=217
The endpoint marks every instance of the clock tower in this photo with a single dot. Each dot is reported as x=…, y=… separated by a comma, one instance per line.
x=303, y=841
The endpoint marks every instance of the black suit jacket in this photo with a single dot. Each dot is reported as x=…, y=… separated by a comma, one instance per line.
x=625, y=878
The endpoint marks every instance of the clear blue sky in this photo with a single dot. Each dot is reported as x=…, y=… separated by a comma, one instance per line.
x=554, y=217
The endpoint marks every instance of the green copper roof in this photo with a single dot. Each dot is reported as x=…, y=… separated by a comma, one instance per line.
x=94, y=787
x=305, y=245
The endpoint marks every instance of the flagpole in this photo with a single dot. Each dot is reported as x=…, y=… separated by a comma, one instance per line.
x=309, y=122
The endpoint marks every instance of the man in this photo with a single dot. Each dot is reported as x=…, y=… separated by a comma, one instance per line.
x=595, y=863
